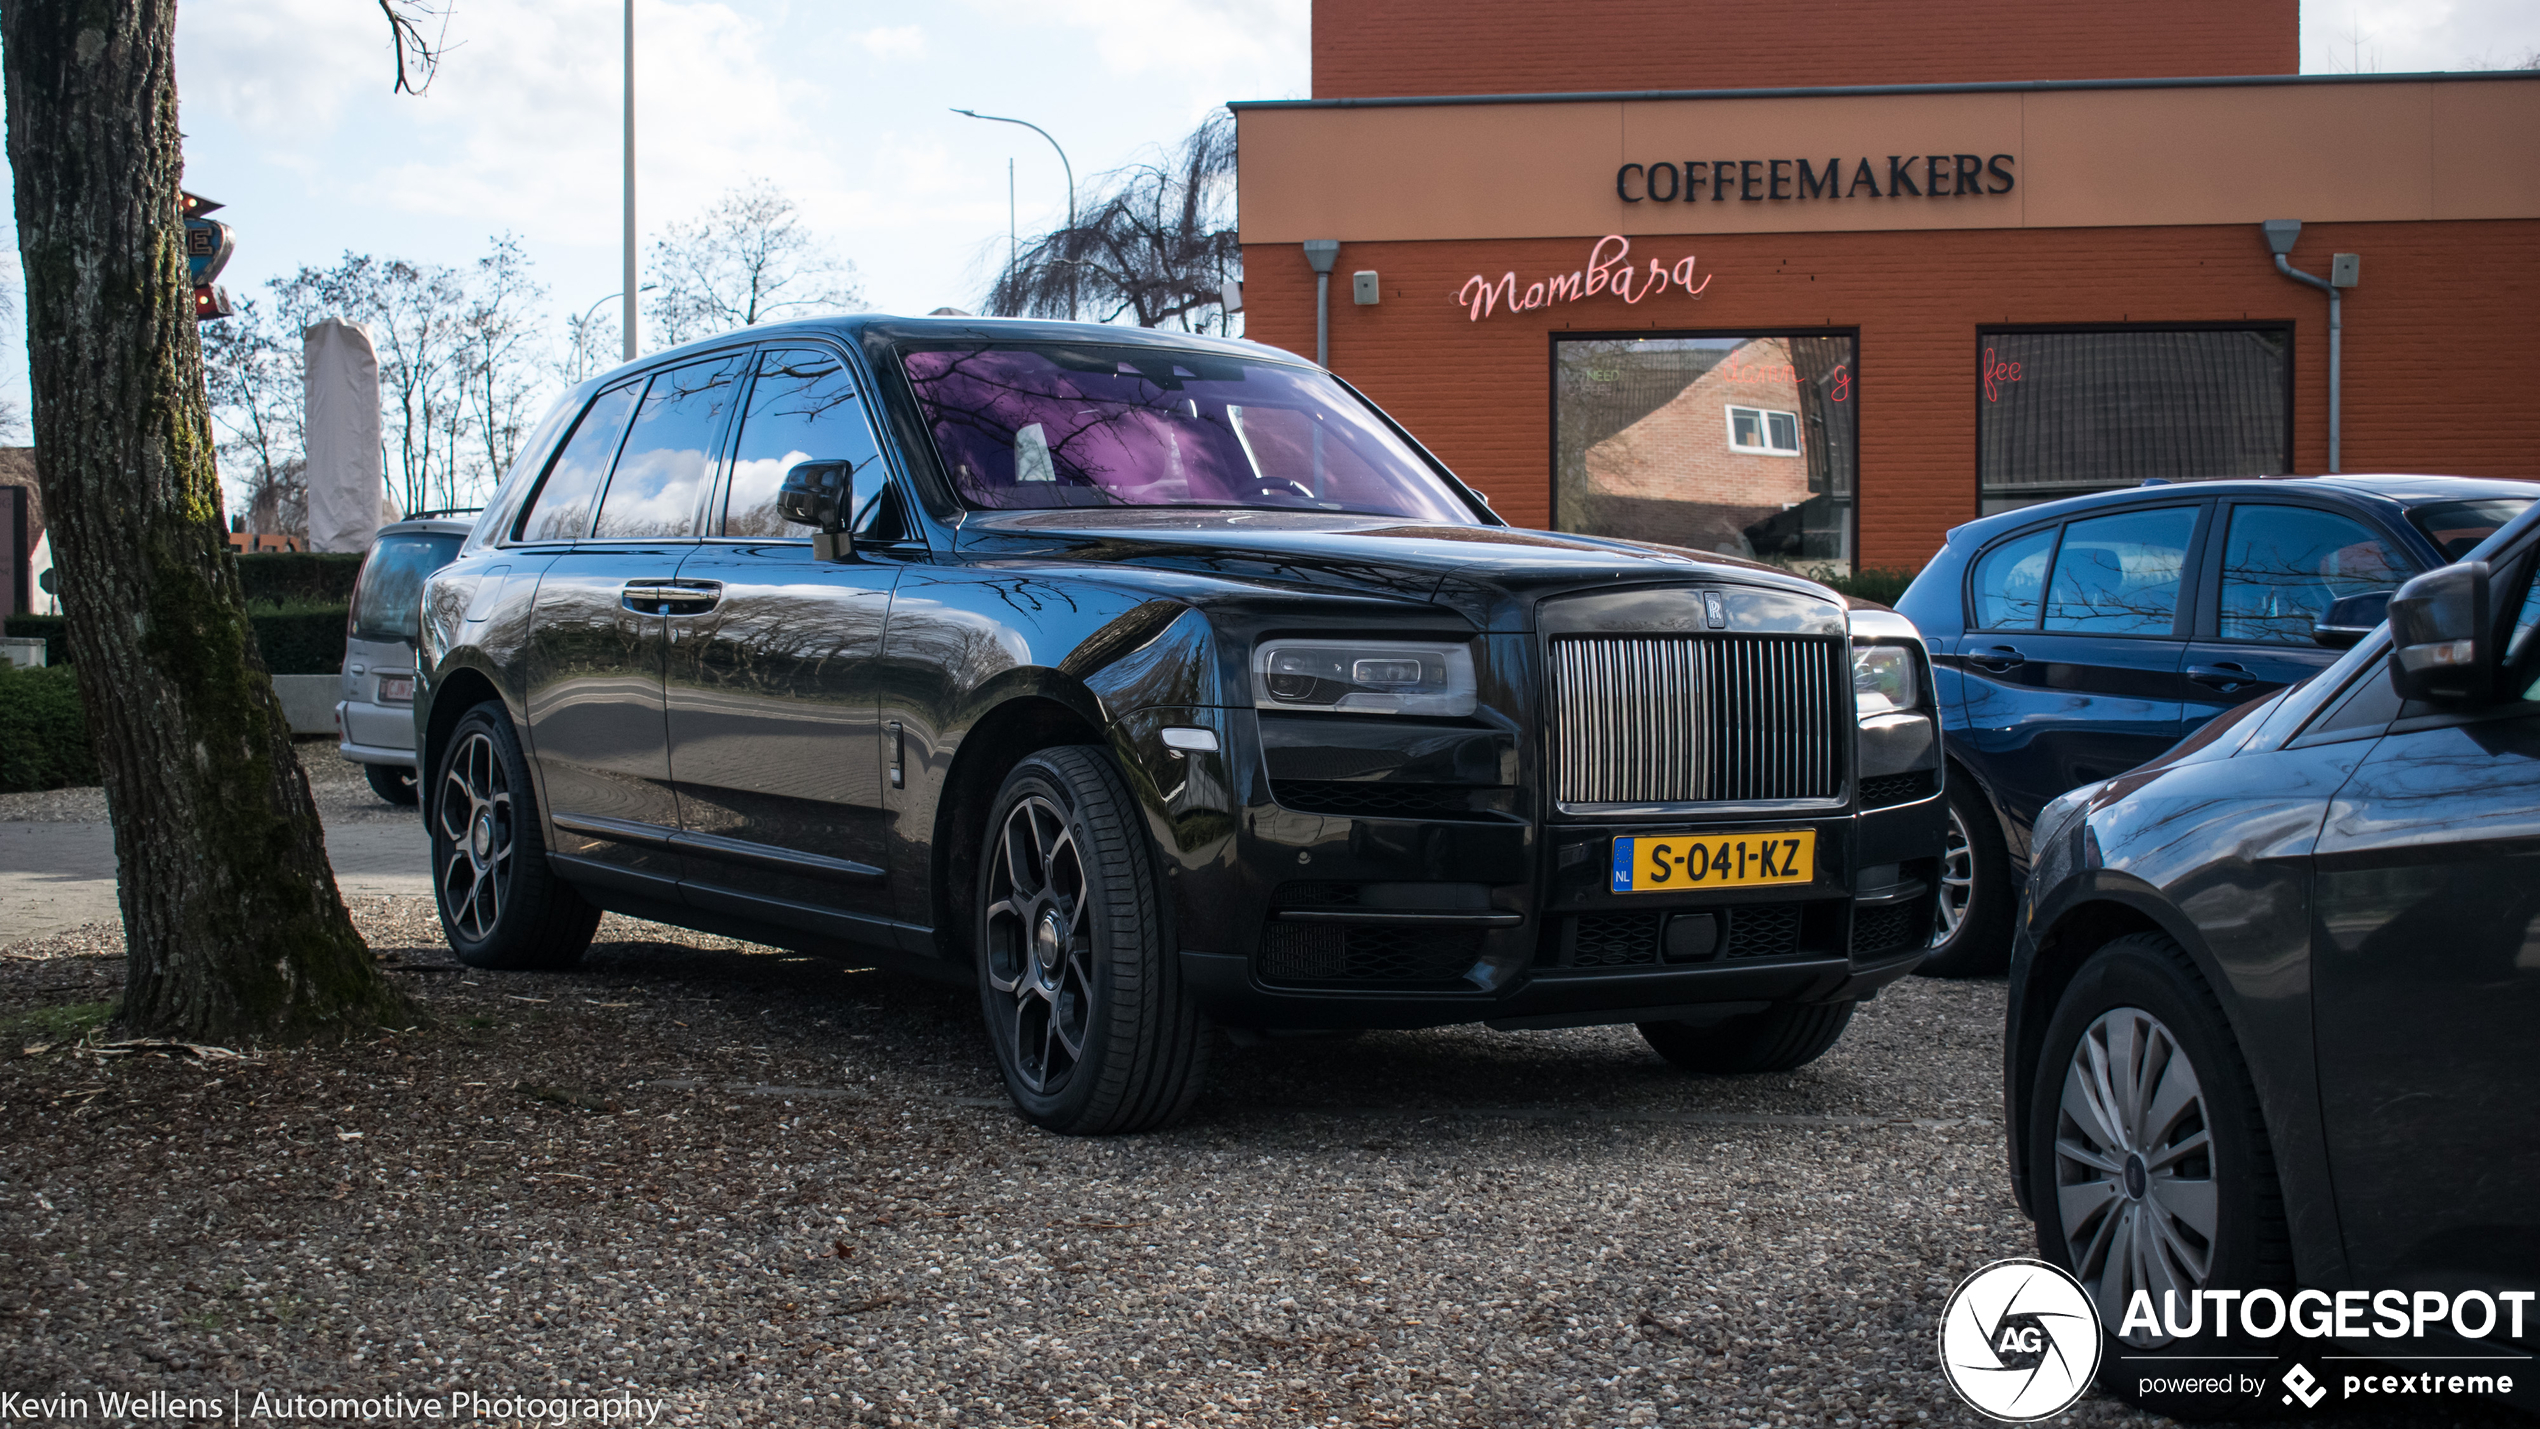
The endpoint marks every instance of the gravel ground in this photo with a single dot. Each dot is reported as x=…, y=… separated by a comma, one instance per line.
x=772, y=1190
x=342, y=792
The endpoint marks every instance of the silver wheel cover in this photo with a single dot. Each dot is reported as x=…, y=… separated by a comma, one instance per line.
x=1957, y=883
x=2136, y=1198
x=473, y=822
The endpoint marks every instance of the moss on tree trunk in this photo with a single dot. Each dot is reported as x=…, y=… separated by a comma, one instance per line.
x=232, y=925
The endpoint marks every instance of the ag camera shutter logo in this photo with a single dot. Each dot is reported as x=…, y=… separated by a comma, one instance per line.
x=2019, y=1340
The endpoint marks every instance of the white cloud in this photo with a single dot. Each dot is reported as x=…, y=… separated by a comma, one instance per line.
x=279, y=67
x=894, y=42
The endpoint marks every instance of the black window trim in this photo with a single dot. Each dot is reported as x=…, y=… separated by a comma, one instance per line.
x=2190, y=600
x=644, y=376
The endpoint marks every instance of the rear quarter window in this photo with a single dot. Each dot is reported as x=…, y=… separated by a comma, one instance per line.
x=388, y=599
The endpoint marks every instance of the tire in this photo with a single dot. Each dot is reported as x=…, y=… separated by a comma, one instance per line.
x=1975, y=886
x=2138, y=1009
x=1069, y=934
x=1783, y=1036
x=501, y=905
x=392, y=782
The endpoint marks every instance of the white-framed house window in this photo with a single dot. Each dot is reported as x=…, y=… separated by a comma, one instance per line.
x=1763, y=431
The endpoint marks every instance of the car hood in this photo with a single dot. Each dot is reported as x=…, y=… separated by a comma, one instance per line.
x=1493, y=575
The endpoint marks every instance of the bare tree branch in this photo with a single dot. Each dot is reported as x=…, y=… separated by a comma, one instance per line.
x=1156, y=245
x=418, y=56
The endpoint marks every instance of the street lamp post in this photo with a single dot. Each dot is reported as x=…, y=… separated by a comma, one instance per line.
x=1062, y=162
x=629, y=290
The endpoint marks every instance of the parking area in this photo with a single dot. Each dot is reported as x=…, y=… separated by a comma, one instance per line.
x=769, y=1189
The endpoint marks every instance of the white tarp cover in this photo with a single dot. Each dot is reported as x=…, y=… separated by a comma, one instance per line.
x=346, y=492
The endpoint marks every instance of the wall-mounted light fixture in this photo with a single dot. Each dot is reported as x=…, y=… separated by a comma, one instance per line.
x=2345, y=270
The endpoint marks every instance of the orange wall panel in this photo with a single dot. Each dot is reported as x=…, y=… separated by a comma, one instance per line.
x=2438, y=365
x=1402, y=47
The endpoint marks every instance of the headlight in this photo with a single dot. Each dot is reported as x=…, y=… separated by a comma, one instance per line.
x=1364, y=677
x=1883, y=679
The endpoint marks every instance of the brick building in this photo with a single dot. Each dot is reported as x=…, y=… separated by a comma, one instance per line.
x=1820, y=291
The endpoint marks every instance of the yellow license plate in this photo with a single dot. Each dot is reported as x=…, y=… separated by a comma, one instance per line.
x=1677, y=864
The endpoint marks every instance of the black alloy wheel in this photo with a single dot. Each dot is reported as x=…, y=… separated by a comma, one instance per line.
x=1078, y=984
x=392, y=782
x=2148, y=1161
x=501, y=905
x=1777, y=1039
x=1972, y=922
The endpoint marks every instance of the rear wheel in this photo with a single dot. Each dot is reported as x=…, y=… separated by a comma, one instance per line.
x=1783, y=1036
x=501, y=905
x=1080, y=988
x=392, y=782
x=1972, y=925
x=2148, y=1160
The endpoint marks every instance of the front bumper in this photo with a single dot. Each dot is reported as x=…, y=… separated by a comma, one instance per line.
x=1505, y=911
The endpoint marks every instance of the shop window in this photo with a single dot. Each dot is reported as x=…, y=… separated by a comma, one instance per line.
x=1771, y=433
x=2067, y=411
x=1654, y=439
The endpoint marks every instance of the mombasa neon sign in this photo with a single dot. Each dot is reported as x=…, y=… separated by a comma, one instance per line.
x=1605, y=273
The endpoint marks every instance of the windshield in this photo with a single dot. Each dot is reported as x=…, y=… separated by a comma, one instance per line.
x=1033, y=426
x=2456, y=527
x=387, y=600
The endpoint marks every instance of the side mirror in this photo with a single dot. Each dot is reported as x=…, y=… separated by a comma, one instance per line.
x=815, y=494
x=2441, y=641
x=2350, y=618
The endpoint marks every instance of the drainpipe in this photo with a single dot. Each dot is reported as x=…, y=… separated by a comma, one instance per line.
x=1322, y=253
x=2343, y=270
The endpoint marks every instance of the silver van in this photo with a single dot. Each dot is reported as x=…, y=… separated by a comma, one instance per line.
x=374, y=719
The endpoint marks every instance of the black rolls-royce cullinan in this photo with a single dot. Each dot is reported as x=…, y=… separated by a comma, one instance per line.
x=1156, y=684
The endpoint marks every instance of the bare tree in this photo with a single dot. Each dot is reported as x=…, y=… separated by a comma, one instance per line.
x=1156, y=246
x=745, y=261
x=232, y=925
x=499, y=382
x=252, y=370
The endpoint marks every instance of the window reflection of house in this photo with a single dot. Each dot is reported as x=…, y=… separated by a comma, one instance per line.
x=1689, y=442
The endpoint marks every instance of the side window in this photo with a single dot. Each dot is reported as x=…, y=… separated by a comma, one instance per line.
x=2284, y=565
x=803, y=407
x=2119, y=575
x=563, y=508
x=2010, y=582
x=669, y=457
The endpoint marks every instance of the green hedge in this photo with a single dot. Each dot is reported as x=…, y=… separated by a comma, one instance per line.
x=1885, y=587
x=299, y=577
x=300, y=638
x=43, y=731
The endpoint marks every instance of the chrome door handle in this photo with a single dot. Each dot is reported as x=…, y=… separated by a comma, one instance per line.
x=1997, y=659
x=2225, y=677
x=689, y=597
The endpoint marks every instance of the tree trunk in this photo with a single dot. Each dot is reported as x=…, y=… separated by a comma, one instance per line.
x=232, y=925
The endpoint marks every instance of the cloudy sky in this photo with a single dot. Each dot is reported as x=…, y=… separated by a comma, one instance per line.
x=843, y=104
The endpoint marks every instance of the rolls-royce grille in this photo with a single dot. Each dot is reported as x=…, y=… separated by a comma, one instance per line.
x=1669, y=719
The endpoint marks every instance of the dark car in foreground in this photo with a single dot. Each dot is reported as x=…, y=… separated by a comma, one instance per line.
x=2076, y=639
x=2273, y=999
x=1153, y=684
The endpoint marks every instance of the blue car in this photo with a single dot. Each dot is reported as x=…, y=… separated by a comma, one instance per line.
x=2075, y=640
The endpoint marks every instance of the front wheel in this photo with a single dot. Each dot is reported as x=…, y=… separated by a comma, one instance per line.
x=2148, y=1161
x=1781, y=1037
x=501, y=905
x=1972, y=923
x=1080, y=988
